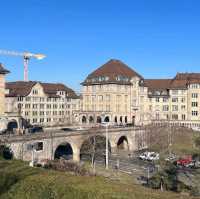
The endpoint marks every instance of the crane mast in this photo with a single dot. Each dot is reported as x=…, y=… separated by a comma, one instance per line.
x=26, y=57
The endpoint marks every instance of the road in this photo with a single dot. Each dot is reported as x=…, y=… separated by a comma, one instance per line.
x=129, y=165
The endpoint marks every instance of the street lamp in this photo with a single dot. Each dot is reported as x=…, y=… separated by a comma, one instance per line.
x=106, y=146
x=106, y=125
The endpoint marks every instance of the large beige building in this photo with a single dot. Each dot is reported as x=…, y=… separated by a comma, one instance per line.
x=41, y=103
x=116, y=93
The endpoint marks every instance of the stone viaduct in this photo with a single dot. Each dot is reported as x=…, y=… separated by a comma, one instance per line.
x=49, y=141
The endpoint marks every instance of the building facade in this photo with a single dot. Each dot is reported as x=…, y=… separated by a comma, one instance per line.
x=3, y=72
x=46, y=104
x=116, y=93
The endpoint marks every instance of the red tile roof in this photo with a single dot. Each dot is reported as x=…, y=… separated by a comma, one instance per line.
x=157, y=84
x=112, y=69
x=21, y=88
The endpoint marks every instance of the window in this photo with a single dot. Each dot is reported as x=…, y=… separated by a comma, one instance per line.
x=183, y=116
x=34, y=113
x=157, y=99
x=20, y=99
x=183, y=99
x=34, y=120
x=34, y=105
x=194, y=86
x=175, y=99
x=165, y=99
x=41, y=112
x=26, y=113
x=41, y=120
x=194, y=113
x=175, y=108
x=194, y=104
x=165, y=108
x=194, y=95
x=182, y=107
x=175, y=116
x=27, y=106
x=35, y=92
x=41, y=106
x=28, y=99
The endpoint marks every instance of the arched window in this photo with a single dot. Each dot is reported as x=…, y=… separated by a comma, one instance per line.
x=98, y=119
x=107, y=119
x=84, y=119
x=91, y=119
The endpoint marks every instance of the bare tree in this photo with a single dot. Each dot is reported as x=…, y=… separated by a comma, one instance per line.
x=93, y=147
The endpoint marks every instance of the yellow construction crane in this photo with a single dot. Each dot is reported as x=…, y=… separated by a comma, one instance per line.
x=26, y=57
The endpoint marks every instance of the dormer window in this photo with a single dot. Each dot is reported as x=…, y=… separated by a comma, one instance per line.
x=35, y=92
x=122, y=78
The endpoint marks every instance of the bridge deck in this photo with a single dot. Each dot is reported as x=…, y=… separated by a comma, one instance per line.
x=53, y=133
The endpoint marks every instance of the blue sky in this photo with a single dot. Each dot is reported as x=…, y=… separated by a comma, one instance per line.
x=157, y=38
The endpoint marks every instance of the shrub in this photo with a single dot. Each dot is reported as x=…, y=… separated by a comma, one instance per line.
x=5, y=152
x=6, y=181
x=65, y=165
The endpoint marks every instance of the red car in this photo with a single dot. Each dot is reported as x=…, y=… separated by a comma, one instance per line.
x=185, y=161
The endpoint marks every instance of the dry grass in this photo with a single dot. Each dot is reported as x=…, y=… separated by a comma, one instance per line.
x=36, y=183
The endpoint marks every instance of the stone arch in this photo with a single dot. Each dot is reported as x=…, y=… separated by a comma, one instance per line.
x=84, y=119
x=71, y=149
x=122, y=143
x=12, y=125
x=99, y=119
x=107, y=119
x=91, y=119
x=95, y=144
x=63, y=150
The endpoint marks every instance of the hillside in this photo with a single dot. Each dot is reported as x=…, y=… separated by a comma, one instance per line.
x=18, y=181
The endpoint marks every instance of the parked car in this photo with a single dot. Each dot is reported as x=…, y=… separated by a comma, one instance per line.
x=36, y=129
x=150, y=156
x=185, y=162
x=171, y=157
x=67, y=129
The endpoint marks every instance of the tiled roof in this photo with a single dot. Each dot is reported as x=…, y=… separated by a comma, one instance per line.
x=22, y=88
x=187, y=76
x=112, y=69
x=180, y=81
x=3, y=70
x=157, y=84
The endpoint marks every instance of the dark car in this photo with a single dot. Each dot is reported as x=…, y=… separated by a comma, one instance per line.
x=67, y=129
x=36, y=129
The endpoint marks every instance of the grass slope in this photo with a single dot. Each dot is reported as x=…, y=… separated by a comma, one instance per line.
x=18, y=181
